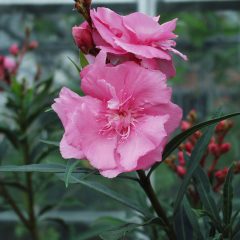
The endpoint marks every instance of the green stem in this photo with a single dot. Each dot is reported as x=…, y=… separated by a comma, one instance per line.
x=29, y=180
x=147, y=187
x=8, y=198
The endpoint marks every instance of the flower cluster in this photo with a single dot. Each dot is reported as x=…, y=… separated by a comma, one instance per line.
x=217, y=147
x=135, y=37
x=126, y=118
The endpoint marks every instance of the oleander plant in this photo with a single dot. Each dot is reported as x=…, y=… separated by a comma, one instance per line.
x=123, y=128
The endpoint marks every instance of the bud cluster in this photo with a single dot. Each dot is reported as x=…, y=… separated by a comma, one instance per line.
x=10, y=64
x=217, y=147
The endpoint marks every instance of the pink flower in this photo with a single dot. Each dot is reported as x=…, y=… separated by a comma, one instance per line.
x=14, y=49
x=123, y=122
x=136, y=35
x=83, y=37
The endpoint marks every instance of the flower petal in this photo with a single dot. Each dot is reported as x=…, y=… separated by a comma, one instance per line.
x=147, y=136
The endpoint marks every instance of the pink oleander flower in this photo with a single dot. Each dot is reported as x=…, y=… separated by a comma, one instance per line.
x=135, y=37
x=14, y=49
x=123, y=122
x=83, y=37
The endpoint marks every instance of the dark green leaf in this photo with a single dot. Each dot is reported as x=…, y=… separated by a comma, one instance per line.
x=176, y=141
x=50, y=142
x=194, y=161
x=120, y=232
x=228, y=197
x=10, y=135
x=236, y=229
x=182, y=226
x=108, y=192
x=205, y=193
x=71, y=165
x=45, y=168
x=193, y=219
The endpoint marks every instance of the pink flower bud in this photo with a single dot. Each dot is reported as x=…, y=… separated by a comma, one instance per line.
x=14, y=49
x=189, y=147
x=83, y=37
x=181, y=159
x=181, y=171
x=221, y=174
x=213, y=148
x=9, y=64
x=33, y=45
x=225, y=147
x=185, y=125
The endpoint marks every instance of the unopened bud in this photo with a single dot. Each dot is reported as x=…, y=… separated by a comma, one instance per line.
x=14, y=49
x=33, y=45
x=225, y=147
x=192, y=116
x=185, y=125
x=189, y=147
x=181, y=171
x=83, y=37
x=181, y=159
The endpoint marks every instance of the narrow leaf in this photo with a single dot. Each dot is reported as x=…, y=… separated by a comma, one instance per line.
x=83, y=60
x=194, y=161
x=50, y=142
x=228, y=197
x=121, y=231
x=176, y=141
x=205, y=193
x=192, y=219
x=71, y=165
x=45, y=168
x=110, y=193
x=183, y=228
x=75, y=65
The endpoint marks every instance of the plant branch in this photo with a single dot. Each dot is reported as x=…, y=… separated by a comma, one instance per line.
x=147, y=187
x=11, y=202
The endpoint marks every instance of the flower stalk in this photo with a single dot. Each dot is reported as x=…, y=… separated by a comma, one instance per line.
x=148, y=189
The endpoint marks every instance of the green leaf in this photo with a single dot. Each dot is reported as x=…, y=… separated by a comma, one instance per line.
x=44, y=168
x=193, y=219
x=236, y=231
x=228, y=197
x=194, y=161
x=83, y=60
x=10, y=135
x=108, y=192
x=182, y=226
x=53, y=143
x=176, y=141
x=205, y=193
x=120, y=232
x=75, y=65
x=71, y=165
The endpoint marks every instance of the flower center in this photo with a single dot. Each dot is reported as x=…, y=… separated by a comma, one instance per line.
x=121, y=119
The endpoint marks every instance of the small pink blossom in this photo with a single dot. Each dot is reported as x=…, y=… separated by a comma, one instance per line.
x=135, y=36
x=83, y=37
x=14, y=49
x=123, y=122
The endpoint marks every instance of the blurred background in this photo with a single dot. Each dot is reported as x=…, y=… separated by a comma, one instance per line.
x=209, y=34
